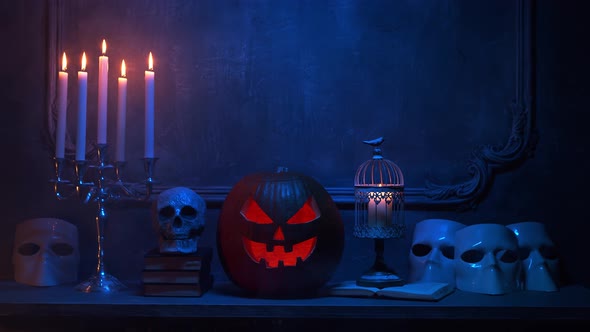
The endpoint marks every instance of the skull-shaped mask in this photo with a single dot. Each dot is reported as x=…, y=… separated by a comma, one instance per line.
x=179, y=220
x=487, y=259
x=45, y=252
x=538, y=255
x=433, y=251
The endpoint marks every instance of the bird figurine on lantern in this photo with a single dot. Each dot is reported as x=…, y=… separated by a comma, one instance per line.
x=379, y=212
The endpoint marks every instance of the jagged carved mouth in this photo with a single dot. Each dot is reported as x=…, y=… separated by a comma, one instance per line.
x=275, y=256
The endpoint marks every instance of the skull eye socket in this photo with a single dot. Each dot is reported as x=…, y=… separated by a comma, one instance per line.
x=307, y=213
x=28, y=249
x=448, y=251
x=421, y=250
x=62, y=249
x=252, y=212
x=472, y=256
x=188, y=212
x=166, y=212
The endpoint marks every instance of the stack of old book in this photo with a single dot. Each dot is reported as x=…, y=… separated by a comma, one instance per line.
x=186, y=275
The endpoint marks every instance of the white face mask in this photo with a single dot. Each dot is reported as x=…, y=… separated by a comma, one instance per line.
x=433, y=250
x=45, y=252
x=486, y=259
x=539, y=256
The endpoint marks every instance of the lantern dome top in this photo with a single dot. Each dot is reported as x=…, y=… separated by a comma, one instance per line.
x=378, y=171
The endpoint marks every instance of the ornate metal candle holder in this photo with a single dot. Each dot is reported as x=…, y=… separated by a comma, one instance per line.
x=102, y=190
x=379, y=212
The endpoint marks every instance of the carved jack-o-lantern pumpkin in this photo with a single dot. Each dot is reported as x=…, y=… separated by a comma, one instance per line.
x=279, y=234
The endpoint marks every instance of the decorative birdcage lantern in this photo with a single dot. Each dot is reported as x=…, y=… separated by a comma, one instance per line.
x=379, y=212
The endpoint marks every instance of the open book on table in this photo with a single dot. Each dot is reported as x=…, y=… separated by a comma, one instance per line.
x=427, y=291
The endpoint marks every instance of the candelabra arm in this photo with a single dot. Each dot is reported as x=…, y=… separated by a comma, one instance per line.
x=80, y=168
x=90, y=195
x=128, y=190
x=59, y=182
x=149, y=165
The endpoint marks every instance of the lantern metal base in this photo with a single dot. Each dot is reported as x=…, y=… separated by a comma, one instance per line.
x=379, y=279
x=379, y=275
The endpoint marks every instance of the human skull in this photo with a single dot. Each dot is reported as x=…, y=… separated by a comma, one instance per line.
x=487, y=259
x=433, y=251
x=179, y=220
x=46, y=252
x=539, y=256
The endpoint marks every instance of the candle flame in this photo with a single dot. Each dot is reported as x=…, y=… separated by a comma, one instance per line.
x=123, y=69
x=151, y=62
x=104, y=46
x=83, y=61
x=64, y=62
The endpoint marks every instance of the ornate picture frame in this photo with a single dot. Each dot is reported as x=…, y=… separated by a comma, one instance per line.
x=485, y=162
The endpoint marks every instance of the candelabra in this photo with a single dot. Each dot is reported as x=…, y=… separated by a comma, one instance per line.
x=102, y=190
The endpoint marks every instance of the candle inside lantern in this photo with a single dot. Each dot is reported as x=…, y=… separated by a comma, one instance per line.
x=121, y=115
x=82, y=103
x=379, y=212
x=103, y=71
x=62, y=104
x=149, y=109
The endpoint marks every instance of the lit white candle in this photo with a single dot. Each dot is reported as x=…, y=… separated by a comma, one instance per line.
x=379, y=212
x=149, y=109
x=82, y=103
x=103, y=71
x=62, y=105
x=121, y=114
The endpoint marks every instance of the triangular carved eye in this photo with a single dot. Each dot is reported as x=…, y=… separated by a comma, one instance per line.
x=307, y=213
x=252, y=212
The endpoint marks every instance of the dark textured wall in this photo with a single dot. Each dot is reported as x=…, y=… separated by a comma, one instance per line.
x=244, y=86
x=248, y=85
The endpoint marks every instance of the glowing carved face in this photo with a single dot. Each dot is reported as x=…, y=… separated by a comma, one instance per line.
x=279, y=234
x=278, y=252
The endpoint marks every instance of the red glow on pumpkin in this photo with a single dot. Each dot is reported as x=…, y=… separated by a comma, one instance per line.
x=279, y=235
x=278, y=256
x=257, y=252
x=307, y=213
x=252, y=212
